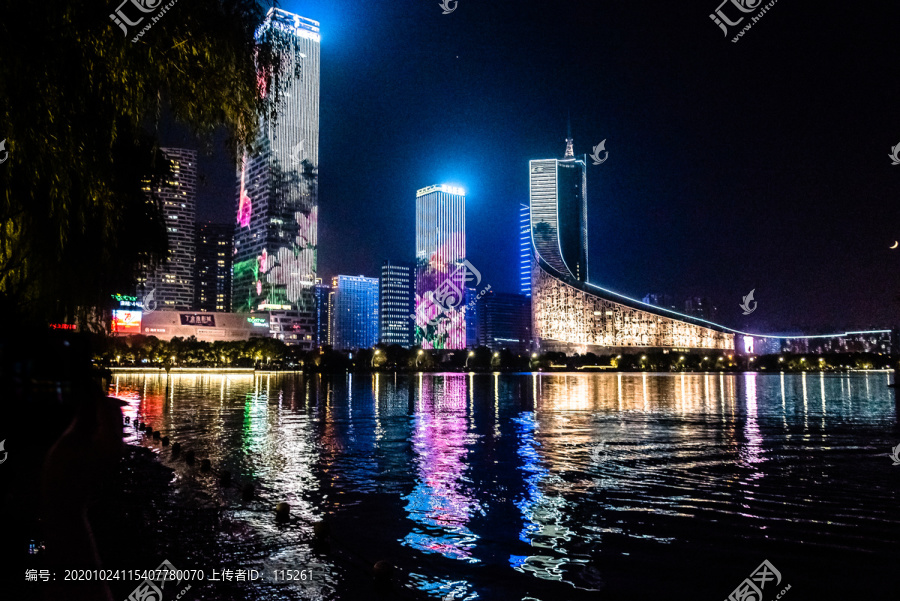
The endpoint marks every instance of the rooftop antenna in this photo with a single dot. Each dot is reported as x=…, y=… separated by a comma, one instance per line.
x=570, y=149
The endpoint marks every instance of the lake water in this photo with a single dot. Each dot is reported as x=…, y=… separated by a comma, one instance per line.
x=538, y=486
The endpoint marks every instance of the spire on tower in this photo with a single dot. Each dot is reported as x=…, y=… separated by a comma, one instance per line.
x=570, y=149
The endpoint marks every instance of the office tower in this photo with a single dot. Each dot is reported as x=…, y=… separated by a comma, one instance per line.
x=524, y=250
x=397, y=303
x=277, y=208
x=504, y=321
x=440, y=267
x=559, y=212
x=171, y=285
x=212, y=269
x=323, y=315
x=355, y=312
x=568, y=313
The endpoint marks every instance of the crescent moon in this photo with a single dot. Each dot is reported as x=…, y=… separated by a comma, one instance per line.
x=896, y=244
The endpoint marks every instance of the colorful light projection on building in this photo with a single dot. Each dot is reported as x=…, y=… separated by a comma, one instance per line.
x=440, y=272
x=126, y=322
x=245, y=206
x=438, y=504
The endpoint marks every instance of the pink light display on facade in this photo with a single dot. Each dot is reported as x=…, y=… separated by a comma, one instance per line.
x=245, y=207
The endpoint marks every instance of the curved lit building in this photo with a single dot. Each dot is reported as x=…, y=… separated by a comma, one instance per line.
x=568, y=313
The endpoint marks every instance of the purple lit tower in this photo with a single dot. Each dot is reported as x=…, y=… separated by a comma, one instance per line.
x=440, y=267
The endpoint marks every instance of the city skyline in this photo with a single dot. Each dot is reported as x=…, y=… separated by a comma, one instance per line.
x=659, y=222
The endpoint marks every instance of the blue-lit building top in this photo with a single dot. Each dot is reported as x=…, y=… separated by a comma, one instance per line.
x=354, y=319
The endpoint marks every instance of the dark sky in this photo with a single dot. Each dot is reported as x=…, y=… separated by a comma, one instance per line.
x=761, y=164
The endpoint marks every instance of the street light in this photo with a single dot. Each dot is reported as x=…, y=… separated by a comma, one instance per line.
x=419, y=357
x=470, y=355
x=375, y=354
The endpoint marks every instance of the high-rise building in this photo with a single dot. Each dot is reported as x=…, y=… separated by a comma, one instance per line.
x=559, y=204
x=440, y=267
x=323, y=314
x=171, y=285
x=504, y=321
x=397, y=303
x=525, y=250
x=277, y=208
x=354, y=323
x=212, y=268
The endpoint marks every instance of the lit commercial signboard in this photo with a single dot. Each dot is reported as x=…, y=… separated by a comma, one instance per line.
x=196, y=319
x=126, y=322
x=126, y=302
x=258, y=322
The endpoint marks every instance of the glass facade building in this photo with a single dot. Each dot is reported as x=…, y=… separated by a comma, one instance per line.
x=397, y=303
x=354, y=322
x=504, y=322
x=171, y=285
x=440, y=267
x=212, y=279
x=277, y=205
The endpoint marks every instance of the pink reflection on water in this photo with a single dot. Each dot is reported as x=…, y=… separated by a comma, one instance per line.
x=439, y=504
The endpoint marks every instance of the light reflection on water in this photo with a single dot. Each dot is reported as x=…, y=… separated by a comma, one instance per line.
x=525, y=482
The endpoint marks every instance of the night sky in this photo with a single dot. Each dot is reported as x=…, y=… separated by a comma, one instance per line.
x=732, y=166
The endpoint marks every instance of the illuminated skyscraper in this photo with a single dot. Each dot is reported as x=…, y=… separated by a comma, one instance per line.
x=440, y=267
x=524, y=250
x=171, y=286
x=212, y=280
x=323, y=314
x=355, y=312
x=559, y=212
x=397, y=302
x=277, y=209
